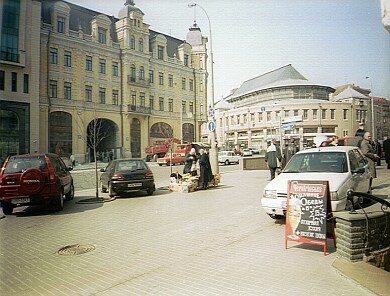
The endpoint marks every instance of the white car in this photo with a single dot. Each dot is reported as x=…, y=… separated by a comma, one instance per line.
x=247, y=152
x=228, y=157
x=344, y=167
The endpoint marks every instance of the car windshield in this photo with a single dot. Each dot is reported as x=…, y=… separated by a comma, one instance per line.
x=20, y=164
x=130, y=165
x=323, y=162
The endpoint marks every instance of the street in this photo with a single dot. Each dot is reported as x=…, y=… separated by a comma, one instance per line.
x=214, y=242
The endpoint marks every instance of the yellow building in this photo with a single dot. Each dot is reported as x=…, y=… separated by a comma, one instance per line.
x=106, y=81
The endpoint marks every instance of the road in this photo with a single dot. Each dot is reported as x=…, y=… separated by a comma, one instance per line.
x=213, y=242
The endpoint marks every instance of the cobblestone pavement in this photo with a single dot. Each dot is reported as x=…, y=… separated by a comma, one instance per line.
x=214, y=242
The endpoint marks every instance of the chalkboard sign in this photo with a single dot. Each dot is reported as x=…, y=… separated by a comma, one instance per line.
x=308, y=209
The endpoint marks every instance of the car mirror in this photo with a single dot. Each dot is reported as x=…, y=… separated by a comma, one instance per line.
x=103, y=170
x=69, y=168
x=359, y=171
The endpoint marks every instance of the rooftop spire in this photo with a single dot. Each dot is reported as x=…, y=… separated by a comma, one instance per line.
x=129, y=2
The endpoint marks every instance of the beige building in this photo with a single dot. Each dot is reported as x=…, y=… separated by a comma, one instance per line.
x=282, y=104
x=100, y=80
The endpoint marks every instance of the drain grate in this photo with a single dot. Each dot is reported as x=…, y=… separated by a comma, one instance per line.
x=76, y=249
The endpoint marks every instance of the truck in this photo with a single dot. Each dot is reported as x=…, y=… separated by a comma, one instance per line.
x=159, y=149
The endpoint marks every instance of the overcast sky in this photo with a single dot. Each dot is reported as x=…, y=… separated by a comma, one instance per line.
x=330, y=42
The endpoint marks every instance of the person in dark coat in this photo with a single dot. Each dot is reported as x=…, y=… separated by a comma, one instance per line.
x=289, y=151
x=206, y=174
x=190, y=163
x=386, y=149
x=378, y=151
x=367, y=148
x=273, y=157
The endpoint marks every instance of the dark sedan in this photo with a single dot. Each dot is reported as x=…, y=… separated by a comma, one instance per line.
x=123, y=176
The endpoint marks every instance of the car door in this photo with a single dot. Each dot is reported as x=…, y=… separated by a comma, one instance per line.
x=62, y=172
x=360, y=180
x=108, y=172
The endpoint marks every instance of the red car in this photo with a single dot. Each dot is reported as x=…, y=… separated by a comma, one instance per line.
x=32, y=179
x=176, y=158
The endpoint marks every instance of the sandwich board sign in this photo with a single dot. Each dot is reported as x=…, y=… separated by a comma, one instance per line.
x=307, y=213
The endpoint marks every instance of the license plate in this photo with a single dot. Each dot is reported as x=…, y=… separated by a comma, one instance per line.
x=20, y=200
x=134, y=185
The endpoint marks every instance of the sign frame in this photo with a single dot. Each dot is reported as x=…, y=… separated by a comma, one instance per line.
x=211, y=126
x=308, y=209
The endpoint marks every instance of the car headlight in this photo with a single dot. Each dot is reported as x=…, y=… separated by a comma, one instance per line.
x=334, y=195
x=269, y=194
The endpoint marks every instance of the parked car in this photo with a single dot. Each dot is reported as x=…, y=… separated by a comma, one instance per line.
x=254, y=150
x=122, y=176
x=247, y=152
x=31, y=179
x=174, y=158
x=344, y=167
x=228, y=157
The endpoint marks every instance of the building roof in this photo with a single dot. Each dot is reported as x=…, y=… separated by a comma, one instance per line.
x=283, y=76
x=340, y=88
x=223, y=105
x=349, y=93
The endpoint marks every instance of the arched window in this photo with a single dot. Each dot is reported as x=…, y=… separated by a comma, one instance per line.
x=132, y=73
x=141, y=45
x=60, y=133
x=132, y=42
x=141, y=74
x=161, y=130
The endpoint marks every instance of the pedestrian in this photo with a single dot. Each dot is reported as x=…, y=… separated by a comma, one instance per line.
x=368, y=150
x=334, y=142
x=289, y=151
x=190, y=163
x=272, y=158
x=206, y=174
x=378, y=151
x=386, y=149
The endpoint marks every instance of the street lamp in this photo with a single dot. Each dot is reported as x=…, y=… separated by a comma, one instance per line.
x=213, y=150
x=372, y=111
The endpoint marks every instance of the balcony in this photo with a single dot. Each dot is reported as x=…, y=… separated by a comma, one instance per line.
x=140, y=82
x=12, y=58
x=138, y=109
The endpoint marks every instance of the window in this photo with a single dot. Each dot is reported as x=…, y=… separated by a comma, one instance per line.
x=186, y=60
x=115, y=97
x=132, y=42
x=191, y=107
x=170, y=105
x=161, y=104
x=132, y=73
x=260, y=117
x=14, y=81
x=2, y=80
x=133, y=98
x=201, y=86
x=151, y=76
x=191, y=84
x=238, y=119
x=323, y=113
x=170, y=80
x=160, y=52
x=295, y=112
x=345, y=114
x=102, y=66
x=60, y=24
x=141, y=73
x=184, y=107
x=142, y=99
x=151, y=102
x=67, y=90
x=115, y=69
x=269, y=116
x=314, y=113
x=183, y=83
x=53, y=88
x=67, y=59
x=245, y=118
x=88, y=93
x=102, y=35
x=10, y=31
x=88, y=63
x=102, y=95
x=332, y=112
x=141, y=45
x=305, y=114
x=161, y=78
x=53, y=55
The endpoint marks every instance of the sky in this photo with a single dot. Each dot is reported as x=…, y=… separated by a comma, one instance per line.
x=330, y=42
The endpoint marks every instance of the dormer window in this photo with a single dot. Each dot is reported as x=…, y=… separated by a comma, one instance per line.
x=132, y=42
x=102, y=35
x=60, y=24
x=186, y=60
x=160, y=52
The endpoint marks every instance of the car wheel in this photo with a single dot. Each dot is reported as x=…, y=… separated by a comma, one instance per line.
x=70, y=194
x=8, y=208
x=168, y=163
x=58, y=202
x=227, y=162
x=160, y=164
x=111, y=192
x=102, y=188
x=150, y=191
x=276, y=217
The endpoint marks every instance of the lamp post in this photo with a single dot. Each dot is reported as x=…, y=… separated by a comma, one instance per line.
x=372, y=111
x=213, y=150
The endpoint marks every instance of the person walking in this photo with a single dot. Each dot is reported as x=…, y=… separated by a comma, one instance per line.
x=386, y=149
x=289, y=151
x=272, y=157
x=206, y=174
x=368, y=150
x=378, y=151
x=190, y=163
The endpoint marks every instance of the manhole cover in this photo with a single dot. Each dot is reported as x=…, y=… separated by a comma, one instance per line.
x=76, y=249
